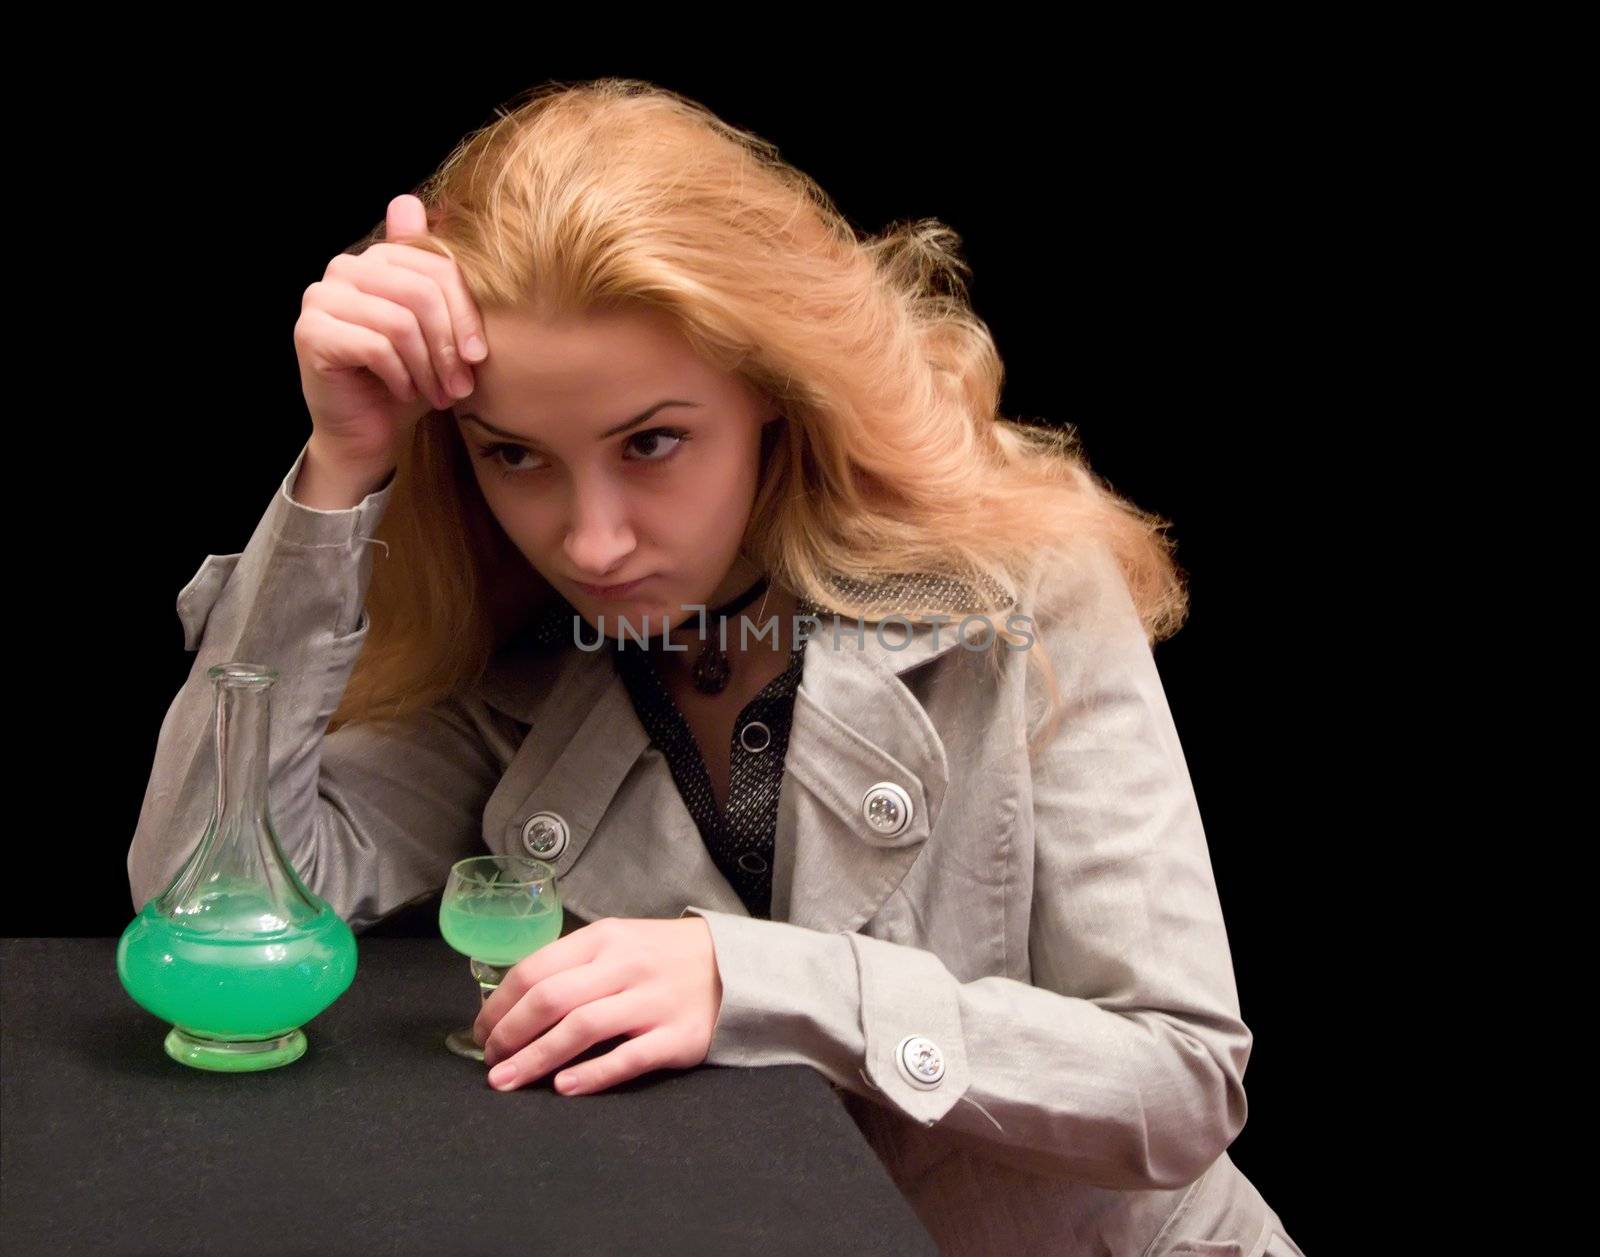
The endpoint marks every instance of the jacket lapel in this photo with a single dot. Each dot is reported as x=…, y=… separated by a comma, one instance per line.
x=857, y=726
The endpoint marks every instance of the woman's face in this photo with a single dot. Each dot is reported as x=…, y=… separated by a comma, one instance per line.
x=597, y=482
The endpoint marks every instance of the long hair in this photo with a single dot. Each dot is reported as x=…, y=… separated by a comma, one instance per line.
x=890, y=462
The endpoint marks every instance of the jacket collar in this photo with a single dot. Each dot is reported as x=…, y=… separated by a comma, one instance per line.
x=857, y=726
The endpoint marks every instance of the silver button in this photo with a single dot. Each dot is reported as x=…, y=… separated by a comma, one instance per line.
x=887, y=808
x=755, y=732
x=920, y=1061
x=750, y=862
x=545, y=835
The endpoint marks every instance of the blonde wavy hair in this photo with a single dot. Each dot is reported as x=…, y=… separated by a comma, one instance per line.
x=891, y=457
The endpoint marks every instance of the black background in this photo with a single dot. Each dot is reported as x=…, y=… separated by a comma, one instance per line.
x=1149, y=243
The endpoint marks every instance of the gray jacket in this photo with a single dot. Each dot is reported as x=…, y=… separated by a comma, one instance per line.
x=1020, y=987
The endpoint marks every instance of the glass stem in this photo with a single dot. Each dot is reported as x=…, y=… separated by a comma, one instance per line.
x=489, y=978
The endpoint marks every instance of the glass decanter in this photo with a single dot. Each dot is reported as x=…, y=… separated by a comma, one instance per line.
x=237, y=953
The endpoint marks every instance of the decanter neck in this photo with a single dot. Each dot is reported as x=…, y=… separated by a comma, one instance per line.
x=238, y=882
x=242, y=729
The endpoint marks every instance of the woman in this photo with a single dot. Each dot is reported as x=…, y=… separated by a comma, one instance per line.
x=618, y=388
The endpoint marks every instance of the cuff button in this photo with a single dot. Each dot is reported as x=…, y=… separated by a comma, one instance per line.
x=920, y=1061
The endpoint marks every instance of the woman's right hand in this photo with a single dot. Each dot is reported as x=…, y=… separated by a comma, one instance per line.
x=384, y=337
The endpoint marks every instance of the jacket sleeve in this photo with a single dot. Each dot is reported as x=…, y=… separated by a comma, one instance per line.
x=1121, y=1063
x=371, y=816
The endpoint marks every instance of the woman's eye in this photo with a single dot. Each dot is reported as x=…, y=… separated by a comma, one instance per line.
x=493, y=454
x=655, y=446
x=654, y=451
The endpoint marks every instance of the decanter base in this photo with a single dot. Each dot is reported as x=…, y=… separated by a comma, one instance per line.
x=462, y=1043
x=234, y=1056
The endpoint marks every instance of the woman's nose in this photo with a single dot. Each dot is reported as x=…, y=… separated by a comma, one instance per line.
x=599, y=540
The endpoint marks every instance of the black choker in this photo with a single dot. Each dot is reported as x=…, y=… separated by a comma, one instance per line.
x=711, y=669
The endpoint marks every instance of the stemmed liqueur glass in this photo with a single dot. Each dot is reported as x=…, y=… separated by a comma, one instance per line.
x=496, y=909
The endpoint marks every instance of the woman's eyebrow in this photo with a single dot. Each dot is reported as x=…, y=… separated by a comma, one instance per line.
x=608, y=433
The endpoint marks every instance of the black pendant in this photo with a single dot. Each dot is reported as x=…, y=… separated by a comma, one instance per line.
x=711, y=669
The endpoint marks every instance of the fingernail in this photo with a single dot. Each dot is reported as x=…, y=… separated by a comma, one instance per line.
x=501, y=1074
x=475, y=348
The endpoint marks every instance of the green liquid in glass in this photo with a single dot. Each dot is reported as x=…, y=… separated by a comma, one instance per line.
x=496, y=929
x=240, y=987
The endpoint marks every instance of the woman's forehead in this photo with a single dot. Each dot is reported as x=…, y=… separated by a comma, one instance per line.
x=596, y=364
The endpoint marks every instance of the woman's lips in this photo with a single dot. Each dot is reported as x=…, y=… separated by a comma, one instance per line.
x=612, y=591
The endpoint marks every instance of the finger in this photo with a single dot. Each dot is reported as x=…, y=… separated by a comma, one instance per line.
x=341, y=344
x=393, y=320
x=582, y=1028
x=465, y=319
x=544, y=1006
x=422, y=296
x=406, y=216
x=567, y=952
x=650, y=1051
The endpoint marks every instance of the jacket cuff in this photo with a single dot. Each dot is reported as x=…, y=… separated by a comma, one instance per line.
x=880, y=1019
x=301, y=530
x=916, y=1052
x=303, y=525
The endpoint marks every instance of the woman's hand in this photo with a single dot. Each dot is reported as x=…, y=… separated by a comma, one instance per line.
x=653, y=980
x=384, y=337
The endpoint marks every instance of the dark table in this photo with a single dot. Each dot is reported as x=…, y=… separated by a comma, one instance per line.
x=380, y=1141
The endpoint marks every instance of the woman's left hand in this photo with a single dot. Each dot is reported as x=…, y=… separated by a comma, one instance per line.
x=653, y=980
